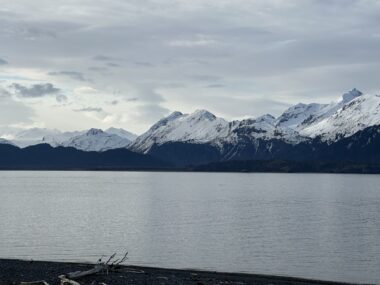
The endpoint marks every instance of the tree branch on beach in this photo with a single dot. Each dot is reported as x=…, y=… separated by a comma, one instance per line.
x=110, y=265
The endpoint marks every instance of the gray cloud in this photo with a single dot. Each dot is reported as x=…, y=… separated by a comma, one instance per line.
x=112, y=64
x=113, y=102
x=61, y=98
x=134, y=99
x=215, y=86
x=89, y=109
x=71, y=74
x=98, y=68
x=36, y=90
x=143, y=63
x=206, y=77
x=3, y=61
x=191, y=54
x=103, y=58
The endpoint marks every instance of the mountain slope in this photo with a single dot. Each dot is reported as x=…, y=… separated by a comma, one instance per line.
x=96, y=140
x=198, y=127
x=121, y=133
x=355, y=115
x=91, y=140
x=301, y=116
x=33, y=136
x=203, y=127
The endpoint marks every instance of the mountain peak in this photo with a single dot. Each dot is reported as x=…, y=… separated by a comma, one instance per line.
x=121, y=133
x=350, y=95
x=94, y=132
x=164, y=121
x=266, y=118
x=201, y=113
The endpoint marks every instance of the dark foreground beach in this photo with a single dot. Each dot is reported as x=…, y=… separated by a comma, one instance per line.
x=17, y=271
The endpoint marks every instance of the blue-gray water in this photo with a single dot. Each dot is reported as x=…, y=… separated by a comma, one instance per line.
x=309, y=225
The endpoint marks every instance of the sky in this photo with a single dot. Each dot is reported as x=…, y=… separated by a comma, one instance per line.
x=78, y=64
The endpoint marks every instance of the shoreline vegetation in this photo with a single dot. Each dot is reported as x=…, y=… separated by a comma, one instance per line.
x=244, y=166
x=187, y=157
x=14, y=271
x=45, y=157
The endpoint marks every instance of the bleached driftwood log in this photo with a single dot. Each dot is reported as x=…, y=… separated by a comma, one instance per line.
x=65, y=281
x=68, y=279
x=40, y=282
x=110, y=265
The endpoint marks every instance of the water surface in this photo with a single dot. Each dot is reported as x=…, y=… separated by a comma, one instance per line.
x=308, y=225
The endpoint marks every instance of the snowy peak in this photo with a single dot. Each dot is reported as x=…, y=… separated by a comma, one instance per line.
x=349, y=96
x=96, y=140
x=92, y=139
x=200, y=127
x=122, y=133
x=357, y=114
x=267, y=118
x=301, y=116
x=298, y=114
x=166, y=120
x=94, y=132
x=33, y=136
x=203, y=127
x=202, y=115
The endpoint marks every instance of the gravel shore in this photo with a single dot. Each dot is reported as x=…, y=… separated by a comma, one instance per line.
x=17, y=271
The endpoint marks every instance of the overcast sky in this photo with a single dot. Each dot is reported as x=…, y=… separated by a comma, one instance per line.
x=76, y=64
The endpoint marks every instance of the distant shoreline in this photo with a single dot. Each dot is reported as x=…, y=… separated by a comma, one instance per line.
x=237, y=166
x=14, y=271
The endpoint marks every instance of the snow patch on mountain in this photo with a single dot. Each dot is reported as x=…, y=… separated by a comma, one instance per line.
x=302, y=116
x=33, y=136
x=121, y=133
x=204, y=127
x=298, y=114
x=356, y=114
x=58, y=139
x=96, y=140
x=199, y=127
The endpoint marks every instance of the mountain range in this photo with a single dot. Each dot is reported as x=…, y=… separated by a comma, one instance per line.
x=345, y=130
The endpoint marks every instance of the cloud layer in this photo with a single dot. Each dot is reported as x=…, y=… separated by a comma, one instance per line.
x=138, y=60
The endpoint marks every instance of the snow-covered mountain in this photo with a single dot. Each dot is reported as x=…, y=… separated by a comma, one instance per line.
x=89, y=140
x=96, y=140
x=201, y=136
x=203, y=127
x=352, y=113
x=355, y=115
x=199, y=127
x=33, y=136
x=331, y=122
x=59, y=139
x=302, y=115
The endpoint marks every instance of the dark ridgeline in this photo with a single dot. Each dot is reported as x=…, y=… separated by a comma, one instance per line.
x=45, y=157
x=359, y=153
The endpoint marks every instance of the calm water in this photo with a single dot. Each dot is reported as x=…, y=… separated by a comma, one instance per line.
x=307, y=225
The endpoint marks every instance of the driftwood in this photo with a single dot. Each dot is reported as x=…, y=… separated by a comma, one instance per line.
x=41, y=282
x=65, y=281
x=111, y=264
x=78, y=274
